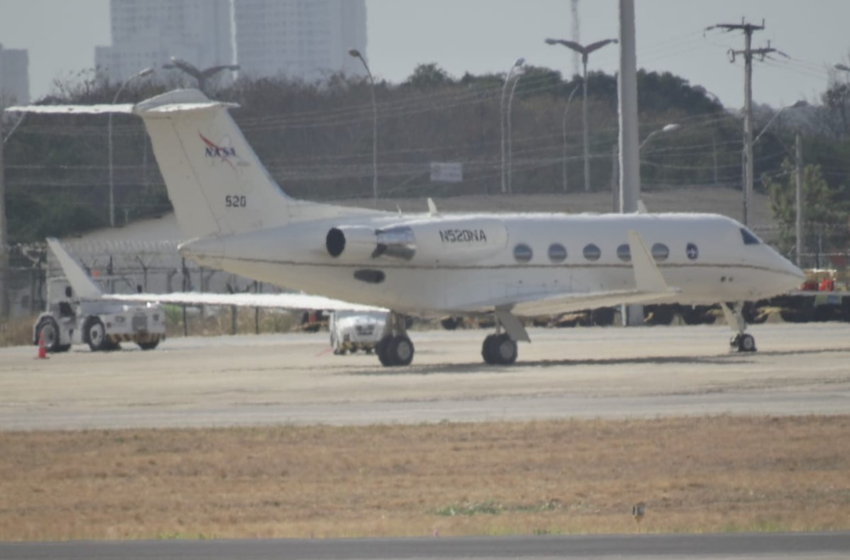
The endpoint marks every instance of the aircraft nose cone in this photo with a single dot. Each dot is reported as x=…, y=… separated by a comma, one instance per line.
x=793, y=274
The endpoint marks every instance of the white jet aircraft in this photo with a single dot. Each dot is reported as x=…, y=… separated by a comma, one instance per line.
x=236, y=218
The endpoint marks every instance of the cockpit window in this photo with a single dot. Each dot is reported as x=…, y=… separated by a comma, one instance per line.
x=749, y=238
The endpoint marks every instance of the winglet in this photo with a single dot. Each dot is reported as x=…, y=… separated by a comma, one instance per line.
x=80, y=281
x=432, y=208
x=648, y=277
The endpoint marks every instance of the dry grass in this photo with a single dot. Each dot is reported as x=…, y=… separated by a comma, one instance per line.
x=710, y=474
x=16, y=331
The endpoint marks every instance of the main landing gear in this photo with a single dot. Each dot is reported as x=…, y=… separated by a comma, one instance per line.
x=395, y=348
x=741, y=342
x=501, y=348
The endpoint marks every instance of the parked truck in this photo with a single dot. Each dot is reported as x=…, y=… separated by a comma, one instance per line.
x=77, y=314
x=353, y=331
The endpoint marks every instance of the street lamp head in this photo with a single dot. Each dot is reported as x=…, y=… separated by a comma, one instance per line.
x=519, y=62
x=671, y=127
x=551, y=41
x=800, y=103
x=355, y=53
x=144, y=73
x=843, y=67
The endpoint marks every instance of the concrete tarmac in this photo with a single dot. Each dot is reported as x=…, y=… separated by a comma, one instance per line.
x=563, y=373
x=821, y=546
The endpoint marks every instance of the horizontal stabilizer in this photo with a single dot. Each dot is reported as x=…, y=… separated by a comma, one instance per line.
x=82, y=284
x=72, y=109
x=280, y=301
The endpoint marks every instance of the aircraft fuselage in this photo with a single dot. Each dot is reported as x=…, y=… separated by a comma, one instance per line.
x=470, y=263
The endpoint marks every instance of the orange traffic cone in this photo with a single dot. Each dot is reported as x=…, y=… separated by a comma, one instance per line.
x=42, y=350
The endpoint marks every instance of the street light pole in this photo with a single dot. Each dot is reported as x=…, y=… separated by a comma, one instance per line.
x=666, y=128
x=510, y=135
x=518, y=64
x=585, y=51
x=4, y=243
x=357, y=54
x=143, y=73
x=748, y=157
x=798, y=199
x=567, y=108
x=200, y=75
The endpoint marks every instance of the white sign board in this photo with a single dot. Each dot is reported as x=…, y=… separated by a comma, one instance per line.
x=446, y=172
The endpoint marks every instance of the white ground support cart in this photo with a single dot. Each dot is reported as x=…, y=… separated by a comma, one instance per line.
x=77, y=314
x=356, y=330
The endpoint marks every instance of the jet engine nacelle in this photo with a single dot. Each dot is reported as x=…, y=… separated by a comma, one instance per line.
x=430, y=242
x=351, y=243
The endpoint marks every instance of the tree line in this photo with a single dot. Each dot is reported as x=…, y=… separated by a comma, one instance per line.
x=316, y=141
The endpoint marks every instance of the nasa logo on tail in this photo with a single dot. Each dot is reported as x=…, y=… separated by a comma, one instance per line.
x=221, y=152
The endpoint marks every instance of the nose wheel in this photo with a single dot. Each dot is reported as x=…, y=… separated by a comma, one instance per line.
x=743, y=343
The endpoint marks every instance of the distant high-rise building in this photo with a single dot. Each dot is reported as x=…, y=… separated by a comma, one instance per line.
x=307, y=39
x=147, y=33
x=14, y=76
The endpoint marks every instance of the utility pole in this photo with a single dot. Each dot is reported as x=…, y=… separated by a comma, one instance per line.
x=799, y=199
x=748, y=53
x=615, y=179
x=629, y=141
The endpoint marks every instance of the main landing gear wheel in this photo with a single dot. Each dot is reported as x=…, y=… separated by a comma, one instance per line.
x=743, y=343
x=499, y=349
x=395, y=351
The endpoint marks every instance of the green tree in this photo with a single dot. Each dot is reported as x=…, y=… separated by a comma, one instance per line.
x=428, y=76
x=824, y=215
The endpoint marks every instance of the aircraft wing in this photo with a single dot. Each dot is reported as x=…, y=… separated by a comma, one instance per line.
x=283, y=301
x=565, y=303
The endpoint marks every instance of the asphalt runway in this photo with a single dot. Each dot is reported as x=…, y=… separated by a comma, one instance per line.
x=821, y=546
x=564, y=373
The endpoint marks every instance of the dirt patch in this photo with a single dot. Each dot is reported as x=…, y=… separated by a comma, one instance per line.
x=695, y=475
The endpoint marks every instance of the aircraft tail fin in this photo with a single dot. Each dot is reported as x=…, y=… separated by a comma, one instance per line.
x=215, y=181
x=83, y=286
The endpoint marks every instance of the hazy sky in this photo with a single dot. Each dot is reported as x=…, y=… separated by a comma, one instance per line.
x=488, y=35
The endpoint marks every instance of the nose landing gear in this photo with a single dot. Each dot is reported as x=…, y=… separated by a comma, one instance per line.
x=741, y=342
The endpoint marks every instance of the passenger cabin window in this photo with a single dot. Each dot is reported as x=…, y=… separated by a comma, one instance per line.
x=523, y=253
x=660, y=252
x=624, y=253
x=557, y=253
x=592, y=252
x=749, y=238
